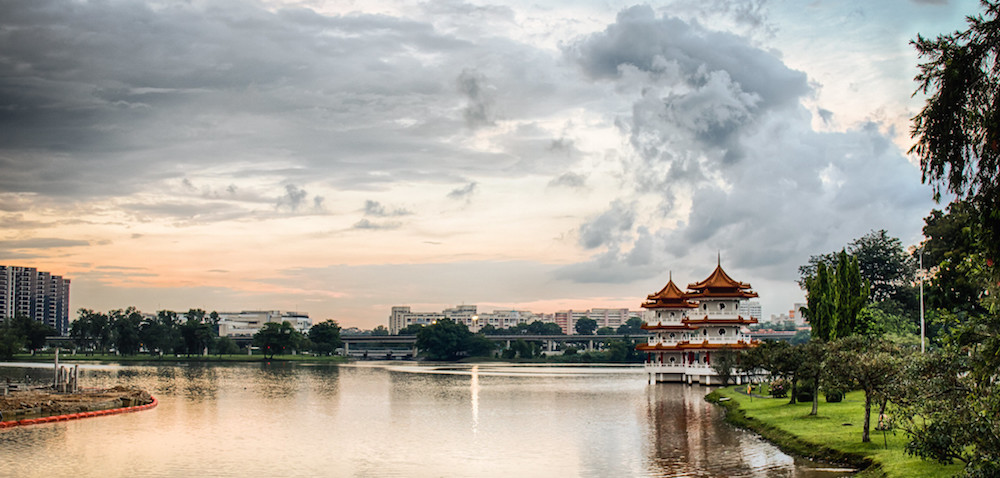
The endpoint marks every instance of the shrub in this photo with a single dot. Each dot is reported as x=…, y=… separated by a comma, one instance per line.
x=804, y=395
x=834, y=396
x=779, y=388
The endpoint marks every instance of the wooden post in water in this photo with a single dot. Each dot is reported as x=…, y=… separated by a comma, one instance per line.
x=55, y=379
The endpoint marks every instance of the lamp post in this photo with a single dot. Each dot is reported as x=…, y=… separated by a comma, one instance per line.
x=921, y=298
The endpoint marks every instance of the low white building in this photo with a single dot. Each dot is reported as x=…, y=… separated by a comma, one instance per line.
x=403, y=316
x=248, y=322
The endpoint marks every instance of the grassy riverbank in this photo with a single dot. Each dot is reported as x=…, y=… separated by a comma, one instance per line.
x=80, y=357
x=834, y=435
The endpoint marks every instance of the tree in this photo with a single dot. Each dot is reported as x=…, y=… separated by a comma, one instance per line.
x=724, y=362
x=442, y=340
x=951, y=249
x=958, y=130
x=412, y=329
x=274, y=338
x=91, y=330
x=477, y=345
x=380, y=331
x=835, y=296
x=11, y=342
x=125, y=325
x=171, y=339
x=325, y=337
x=623, y=351
x=585, y=326
x=632, y=326
x=523, y=349
x=197, y=335
x=226, y=346
x=867, y=363
x=605, y=331
x=544, y=328
x=950, y=400
x=813, y=353
x=33, y=331
x=882, y=261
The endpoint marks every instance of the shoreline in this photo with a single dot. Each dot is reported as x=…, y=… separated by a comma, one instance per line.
x=833, y=436
x=790, y=443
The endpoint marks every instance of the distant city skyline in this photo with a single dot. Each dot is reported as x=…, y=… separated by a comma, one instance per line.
x=343, y=158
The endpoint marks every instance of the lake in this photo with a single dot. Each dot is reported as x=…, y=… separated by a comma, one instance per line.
x=393, y=419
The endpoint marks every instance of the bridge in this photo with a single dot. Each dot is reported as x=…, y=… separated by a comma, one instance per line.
x=382, y=346
x=785, y=335
x=410, y=341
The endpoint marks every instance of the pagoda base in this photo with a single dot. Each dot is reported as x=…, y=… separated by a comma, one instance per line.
x=701, y=377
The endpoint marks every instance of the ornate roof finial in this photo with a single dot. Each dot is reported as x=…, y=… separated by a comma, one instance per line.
x=720, y=258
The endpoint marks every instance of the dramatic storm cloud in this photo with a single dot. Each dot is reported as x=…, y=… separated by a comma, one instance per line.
x=340, y=159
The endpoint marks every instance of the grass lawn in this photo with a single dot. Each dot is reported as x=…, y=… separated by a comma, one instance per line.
x=81, y=357
x=834, y=434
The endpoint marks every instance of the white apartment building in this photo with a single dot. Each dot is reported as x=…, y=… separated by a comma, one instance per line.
x=249, y=322
x=614, y=318
x=37, y=294
x=402, y=316
x=751, y=308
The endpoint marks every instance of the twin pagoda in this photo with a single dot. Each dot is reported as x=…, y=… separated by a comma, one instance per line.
x=689, y=327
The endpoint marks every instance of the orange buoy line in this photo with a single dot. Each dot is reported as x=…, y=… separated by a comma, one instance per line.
x=74, y=416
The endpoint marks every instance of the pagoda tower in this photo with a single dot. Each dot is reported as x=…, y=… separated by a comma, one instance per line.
x=689, y=326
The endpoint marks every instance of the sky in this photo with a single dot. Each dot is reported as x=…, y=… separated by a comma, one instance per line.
x=343, y=157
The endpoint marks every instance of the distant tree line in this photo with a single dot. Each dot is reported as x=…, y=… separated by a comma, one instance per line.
x=22, y=332
x=447, y=340
x=195, y=332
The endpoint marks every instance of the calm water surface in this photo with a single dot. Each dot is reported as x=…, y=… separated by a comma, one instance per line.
x=393, y=419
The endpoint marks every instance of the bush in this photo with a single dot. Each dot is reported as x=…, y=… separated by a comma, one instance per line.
x=833, y=396
x=779, y=388
x=804, y=395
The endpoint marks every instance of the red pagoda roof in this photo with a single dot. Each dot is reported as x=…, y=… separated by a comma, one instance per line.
x=739, y=320
x=645, y=347
x=670, y=296
x=719, y=284
x=647, y=326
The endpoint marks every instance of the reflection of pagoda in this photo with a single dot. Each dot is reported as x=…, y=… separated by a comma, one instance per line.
x=689, y=326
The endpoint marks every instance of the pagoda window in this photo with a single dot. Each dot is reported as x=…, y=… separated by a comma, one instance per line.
x=722, y=331
x=672, y=335
x=722, y=306
x=672, y=359
x=704, y=332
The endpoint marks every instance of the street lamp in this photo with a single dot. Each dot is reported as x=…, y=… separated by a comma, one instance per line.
x=921, y=298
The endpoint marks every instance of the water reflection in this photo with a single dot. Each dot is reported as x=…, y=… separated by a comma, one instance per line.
x=393, y=420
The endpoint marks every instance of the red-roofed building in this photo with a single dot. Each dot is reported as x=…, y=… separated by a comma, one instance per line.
x=688, y=327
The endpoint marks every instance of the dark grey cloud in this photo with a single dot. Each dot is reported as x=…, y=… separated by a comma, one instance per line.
x=722, y=140
x=365, y=223
x=133, y=94
x=464, y=192
x=292, y=199
x=480, y=108
x=377, y=209
x=569, y=180
x=41, y=243
x=608, y=227
x=665, y=47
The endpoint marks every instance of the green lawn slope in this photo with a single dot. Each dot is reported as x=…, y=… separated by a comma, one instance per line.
x=834, y=435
